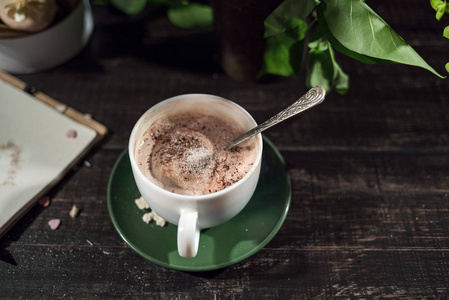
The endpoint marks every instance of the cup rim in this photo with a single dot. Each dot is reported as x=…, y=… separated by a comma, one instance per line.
x=203, y=197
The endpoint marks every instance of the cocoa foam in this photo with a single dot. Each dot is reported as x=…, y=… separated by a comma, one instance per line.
x=184, y=153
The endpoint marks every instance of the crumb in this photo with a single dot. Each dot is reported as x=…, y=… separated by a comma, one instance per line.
x=158, y=219
x=45, y=202
x=152, y=216
x=160, y=222
x=71, y=134
x=87, y=164
x=54, y=223
x=61, y=108
x=147, y=217
x=141, y=203
x=74, y=212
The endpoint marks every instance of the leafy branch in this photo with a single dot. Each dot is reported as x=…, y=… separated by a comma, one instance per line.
x=350, y=27
x=308, y=32
x=442, y=8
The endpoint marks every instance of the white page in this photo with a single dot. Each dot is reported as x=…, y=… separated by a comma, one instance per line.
x=34, y=148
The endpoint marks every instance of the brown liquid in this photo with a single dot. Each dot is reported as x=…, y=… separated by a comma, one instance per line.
x=184, y=153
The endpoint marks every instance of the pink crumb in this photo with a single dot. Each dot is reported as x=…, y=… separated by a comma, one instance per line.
x=71, y=133
x=45, y=201
x=54, y=223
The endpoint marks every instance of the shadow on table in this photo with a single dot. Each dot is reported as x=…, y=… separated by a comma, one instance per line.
x=16, y=232
x=208, y=274
x=273, y=269
x=153, y=41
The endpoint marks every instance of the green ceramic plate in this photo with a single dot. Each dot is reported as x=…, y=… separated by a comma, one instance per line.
x=220, y=246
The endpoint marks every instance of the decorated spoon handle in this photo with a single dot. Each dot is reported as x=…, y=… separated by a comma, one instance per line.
x=313, y=97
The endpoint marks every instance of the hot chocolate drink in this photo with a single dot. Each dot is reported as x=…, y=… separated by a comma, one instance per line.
x=184, y=153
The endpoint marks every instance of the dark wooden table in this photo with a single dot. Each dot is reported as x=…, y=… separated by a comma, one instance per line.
x=370, y=174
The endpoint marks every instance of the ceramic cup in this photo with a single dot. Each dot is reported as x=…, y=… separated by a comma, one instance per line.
x=193, y=213
x=51, y=47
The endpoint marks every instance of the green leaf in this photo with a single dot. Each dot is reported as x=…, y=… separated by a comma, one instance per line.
x=446, y=32
x=441, y=7
x=342, y=49
x=323, y=69
x=361, y=34
x=440, y=12
x=318, y=46
x=130, y=7
x=285, y=30
x=191, y=15
x=290, y=14
x=447, y=67
x=435, y=4
x=283, y=53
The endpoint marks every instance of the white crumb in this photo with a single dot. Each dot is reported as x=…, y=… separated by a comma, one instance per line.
x=141, y=203
x=152, y=216
x=160, y=222
x=147, y=217
x=158, y=219
x=74, y=212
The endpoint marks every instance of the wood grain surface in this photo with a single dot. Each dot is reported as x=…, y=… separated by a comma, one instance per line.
x=369, y=216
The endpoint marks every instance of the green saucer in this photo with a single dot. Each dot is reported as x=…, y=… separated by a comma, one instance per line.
x=220, y=246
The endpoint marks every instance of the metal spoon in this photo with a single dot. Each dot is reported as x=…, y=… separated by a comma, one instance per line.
x=313, y=97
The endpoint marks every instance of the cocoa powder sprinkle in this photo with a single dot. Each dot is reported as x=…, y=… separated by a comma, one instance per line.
x=185, y=153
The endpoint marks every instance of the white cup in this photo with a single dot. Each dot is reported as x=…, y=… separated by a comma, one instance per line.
x=51, y=47
x=193, y=213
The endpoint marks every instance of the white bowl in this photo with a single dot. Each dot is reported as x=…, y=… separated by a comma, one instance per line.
x=50, y=47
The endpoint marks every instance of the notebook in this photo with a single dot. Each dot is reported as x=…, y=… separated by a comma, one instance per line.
x=41, y=139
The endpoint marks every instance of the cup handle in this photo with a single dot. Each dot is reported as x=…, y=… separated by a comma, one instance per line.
x=188, y=233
